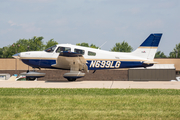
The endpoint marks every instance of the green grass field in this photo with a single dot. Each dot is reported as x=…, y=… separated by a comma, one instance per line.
x=97, y=104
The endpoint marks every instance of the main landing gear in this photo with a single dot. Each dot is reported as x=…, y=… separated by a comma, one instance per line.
x=73, y=75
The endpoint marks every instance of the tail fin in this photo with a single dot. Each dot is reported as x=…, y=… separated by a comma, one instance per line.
x=148, y=48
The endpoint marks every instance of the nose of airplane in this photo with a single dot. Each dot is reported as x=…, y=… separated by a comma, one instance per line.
x=17, y=55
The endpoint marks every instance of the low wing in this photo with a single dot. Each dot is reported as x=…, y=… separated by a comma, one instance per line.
x=71, y=61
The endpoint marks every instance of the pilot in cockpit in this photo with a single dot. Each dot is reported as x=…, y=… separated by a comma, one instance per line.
x=62, y=49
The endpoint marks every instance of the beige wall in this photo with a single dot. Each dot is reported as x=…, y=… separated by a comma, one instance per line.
x=175, y=61
x=13, y=64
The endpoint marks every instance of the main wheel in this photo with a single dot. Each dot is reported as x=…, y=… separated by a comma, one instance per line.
x=71, y=79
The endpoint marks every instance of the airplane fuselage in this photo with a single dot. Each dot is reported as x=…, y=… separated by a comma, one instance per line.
x=96, y=59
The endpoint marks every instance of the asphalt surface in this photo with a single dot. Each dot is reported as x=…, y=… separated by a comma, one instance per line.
x=91, y=84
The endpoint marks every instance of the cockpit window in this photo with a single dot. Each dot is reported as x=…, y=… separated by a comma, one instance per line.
x=62, y=49
x=79, y=51
x=51, y=49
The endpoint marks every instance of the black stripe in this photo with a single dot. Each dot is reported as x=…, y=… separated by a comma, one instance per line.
x=70, y=54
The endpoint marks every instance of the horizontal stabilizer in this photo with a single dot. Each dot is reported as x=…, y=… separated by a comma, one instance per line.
x=150, y=62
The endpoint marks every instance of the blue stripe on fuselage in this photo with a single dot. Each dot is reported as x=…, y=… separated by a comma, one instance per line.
x=99, y=65
x=36, y=63
x=92, y=64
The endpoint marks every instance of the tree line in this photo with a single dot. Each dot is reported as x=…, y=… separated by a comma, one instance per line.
x=36, y=44
x=125, y=47
x=22, y=45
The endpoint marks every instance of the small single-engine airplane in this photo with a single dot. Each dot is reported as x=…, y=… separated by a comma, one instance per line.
x=78, y=59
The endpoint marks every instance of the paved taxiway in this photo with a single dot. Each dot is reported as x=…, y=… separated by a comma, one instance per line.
x=91, y=84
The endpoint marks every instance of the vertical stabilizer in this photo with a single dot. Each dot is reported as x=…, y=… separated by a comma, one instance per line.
x=148, y=48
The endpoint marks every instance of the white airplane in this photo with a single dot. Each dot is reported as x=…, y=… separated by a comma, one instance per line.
x=78, y=58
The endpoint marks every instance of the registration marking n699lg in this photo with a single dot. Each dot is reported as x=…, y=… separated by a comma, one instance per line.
x=105, y=64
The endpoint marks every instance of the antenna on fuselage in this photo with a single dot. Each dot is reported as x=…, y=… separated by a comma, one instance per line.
x=102, y=44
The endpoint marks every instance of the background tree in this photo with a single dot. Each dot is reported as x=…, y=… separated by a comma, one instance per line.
x=8, y=51
x=87, y=45
x=50, y=43
x=1, y=52
x=22, y=45
x=93, y=46
x=36, y=44
x=122, y=47
x=160, y=54
x=83, y=44
x=176, y=52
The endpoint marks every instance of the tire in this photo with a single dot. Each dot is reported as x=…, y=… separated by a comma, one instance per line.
x=30, y=78
x=71, y=79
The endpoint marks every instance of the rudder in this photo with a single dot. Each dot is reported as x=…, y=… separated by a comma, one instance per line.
x=148, y=48
x=152, y=41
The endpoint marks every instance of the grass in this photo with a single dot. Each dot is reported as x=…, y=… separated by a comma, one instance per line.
x=89, y=104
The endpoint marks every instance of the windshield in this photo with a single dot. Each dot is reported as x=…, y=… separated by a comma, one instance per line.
x=51, y=49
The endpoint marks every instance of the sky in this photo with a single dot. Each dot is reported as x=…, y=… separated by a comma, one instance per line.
x=91, y=21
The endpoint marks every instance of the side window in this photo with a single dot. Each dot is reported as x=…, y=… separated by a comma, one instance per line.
x=79, y=51
x=91, y=53
x=62, y=49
